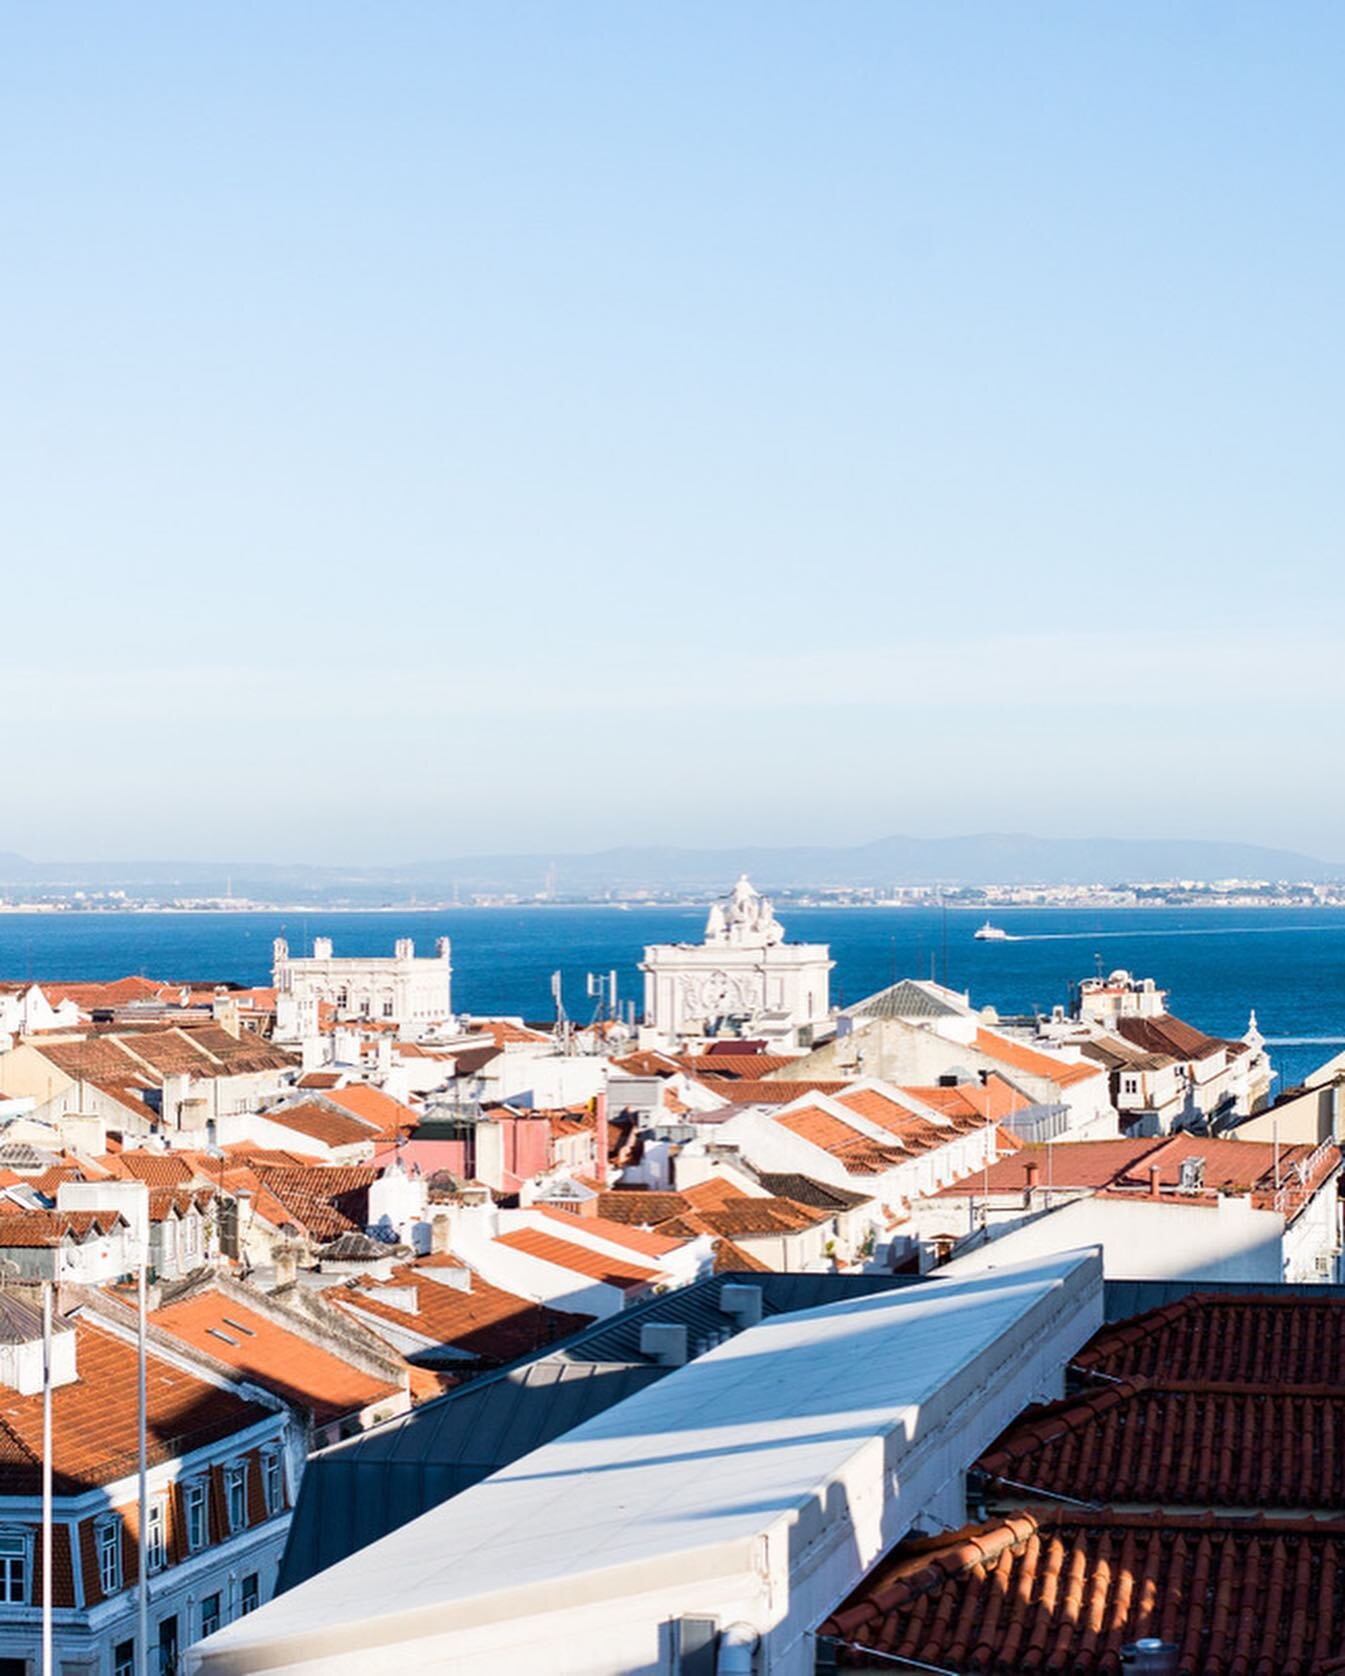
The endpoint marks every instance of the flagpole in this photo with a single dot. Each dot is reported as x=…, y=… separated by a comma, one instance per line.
x=142, y=1580
x=46, y=1479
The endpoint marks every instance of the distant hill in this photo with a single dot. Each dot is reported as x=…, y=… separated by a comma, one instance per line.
x=985, y=858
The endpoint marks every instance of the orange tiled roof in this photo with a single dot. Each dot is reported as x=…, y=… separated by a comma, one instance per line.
x=1072, y=1164
x=322, y=1123
x=485, y=1321
x=35, y=1230
x=973, y=1100
x=744, y=1093
x=117, y=993
x=390, y=1117
x=1261, y=1340
x=712, y=1194
x=166, y=1169
x=1170, y=1442
x=323, y=1200
x=1023, y=1058
x=640, y=1209
x=272, y=1356
x=581, y=1259
x=1065, y=1589
x=94, y=1419
x=860, y=1154
x=503, y=1031
x=620, y=1233
x=750, y=1067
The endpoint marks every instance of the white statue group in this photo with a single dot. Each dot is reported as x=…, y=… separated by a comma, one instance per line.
x=747, y=918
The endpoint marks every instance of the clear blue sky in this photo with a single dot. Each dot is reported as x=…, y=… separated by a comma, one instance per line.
x=434, y=428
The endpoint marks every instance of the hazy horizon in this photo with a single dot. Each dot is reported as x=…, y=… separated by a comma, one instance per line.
x=437, y=431
x=1106, y=845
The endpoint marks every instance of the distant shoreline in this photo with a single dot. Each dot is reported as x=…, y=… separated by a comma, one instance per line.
x=62, y=911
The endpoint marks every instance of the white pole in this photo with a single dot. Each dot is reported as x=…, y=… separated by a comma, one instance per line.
x=46, y=1479
x=142, y=1580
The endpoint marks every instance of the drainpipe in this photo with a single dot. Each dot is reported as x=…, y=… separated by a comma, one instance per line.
x=737, y=1651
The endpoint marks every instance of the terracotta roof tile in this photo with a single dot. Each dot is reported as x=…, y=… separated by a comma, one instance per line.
x=484, y=1321
x=371, y=1105
x=1183, y=1445
x=1248, y=1339
x=1066, y=1590
x=1034, y=1063
x=597, y=1265
x=619, y=1233
x=323, y=1123
x=94, y=1418
x=268, y=1354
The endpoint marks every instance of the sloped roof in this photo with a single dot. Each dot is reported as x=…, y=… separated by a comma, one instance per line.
x=906, y=999
x=1257, y=1339
x=1173, y=1038
x=276, y=1357
x=1032, y=1062
x=323, y=1123
x=805, y=1190
x=94, y=1431
x=481, y=1321
x=1182, y=1444
x=627, y=1276
x=371, y=1105
x=1065, y=1589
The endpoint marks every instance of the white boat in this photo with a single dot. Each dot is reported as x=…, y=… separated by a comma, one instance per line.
x=991, y=934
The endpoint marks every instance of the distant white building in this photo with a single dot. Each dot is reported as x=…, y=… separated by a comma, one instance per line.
x=414, y=993
x=742, y=979
x=1104, y=1000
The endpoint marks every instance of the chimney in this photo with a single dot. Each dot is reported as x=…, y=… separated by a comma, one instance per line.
x=285, y=1256
x=600, y=1107
x=1032, y=1172
x=441, y=1236
x=225, y=1011
x=1155, y=1170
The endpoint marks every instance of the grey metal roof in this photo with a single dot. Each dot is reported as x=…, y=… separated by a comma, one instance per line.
x=905, y=999
x=367, y=1486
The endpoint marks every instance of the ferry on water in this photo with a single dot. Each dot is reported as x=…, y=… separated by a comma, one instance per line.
x=991, y=934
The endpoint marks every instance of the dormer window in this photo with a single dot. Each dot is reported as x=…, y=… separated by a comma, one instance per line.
x=107, y=1539
x=235, y=1495
x=15, y=1555
x=156, y=1536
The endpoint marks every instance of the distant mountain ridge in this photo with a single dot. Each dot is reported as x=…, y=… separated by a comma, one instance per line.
x=985, y=858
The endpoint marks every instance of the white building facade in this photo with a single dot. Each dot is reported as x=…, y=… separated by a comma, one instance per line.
x=413, y=992
x=743, y=979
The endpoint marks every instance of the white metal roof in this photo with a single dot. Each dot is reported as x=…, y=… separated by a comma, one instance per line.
x=687, y=1474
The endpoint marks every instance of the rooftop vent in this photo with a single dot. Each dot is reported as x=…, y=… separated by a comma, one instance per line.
x=1190, y=1178
x=1155, y=1657
x=665, y=1341
x=743, y=1302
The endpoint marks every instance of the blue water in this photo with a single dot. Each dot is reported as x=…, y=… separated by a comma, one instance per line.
x=1217, y=964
